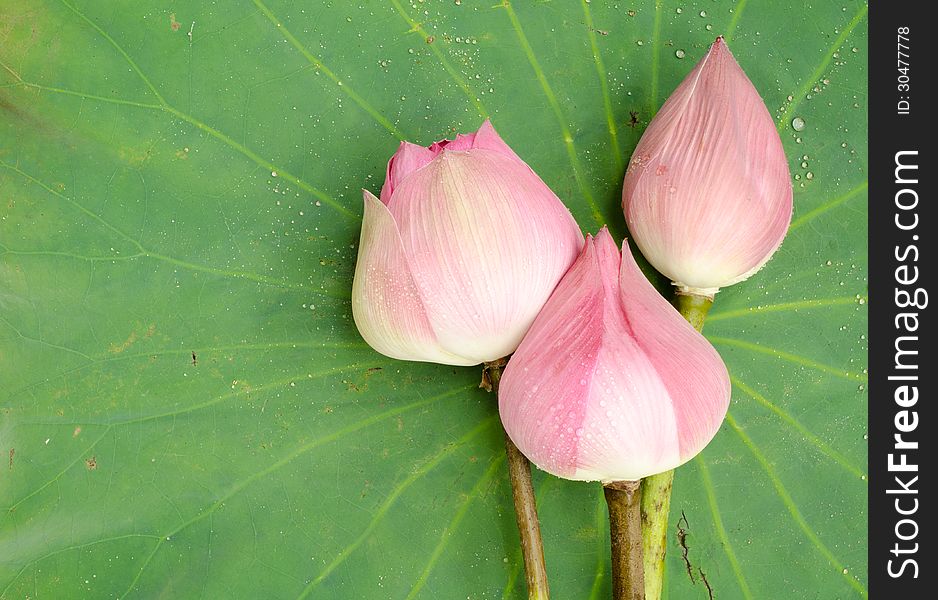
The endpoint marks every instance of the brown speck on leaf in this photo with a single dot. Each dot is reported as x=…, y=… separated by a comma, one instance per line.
x=173, y=23
x=631, y=13
x=77, y=432
x=19, y=115
x=12, y=454
x=400, y=424
x=195, y=359
x=92, y=463
x=430, y=39
x=633, y=118
x=118, y=348
x=327, y=410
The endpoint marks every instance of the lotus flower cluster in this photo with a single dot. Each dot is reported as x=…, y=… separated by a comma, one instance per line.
x=464, y=248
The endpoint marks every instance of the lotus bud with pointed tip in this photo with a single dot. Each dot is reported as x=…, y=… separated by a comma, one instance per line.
x=611, y=383
x=707, y=194
x=460, y=253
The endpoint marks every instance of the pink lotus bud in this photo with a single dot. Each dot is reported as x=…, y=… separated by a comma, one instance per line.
x=460, y=253
x=707, y=194
x=611, y=383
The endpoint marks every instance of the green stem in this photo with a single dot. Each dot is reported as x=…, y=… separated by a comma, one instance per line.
x=522, y=491
x=625, y=533
x=656, y=490
x=656, y=504
x=693, y=308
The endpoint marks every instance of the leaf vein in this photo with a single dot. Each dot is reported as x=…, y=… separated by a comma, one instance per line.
x=558, y=112
x=793, y=508
x=820, y=444
x=789, y=357
x=316, y=62
x=819, y=71
x=721, y=530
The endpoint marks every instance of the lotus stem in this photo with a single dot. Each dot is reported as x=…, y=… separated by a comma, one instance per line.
x=624, y=499
x=522, y=491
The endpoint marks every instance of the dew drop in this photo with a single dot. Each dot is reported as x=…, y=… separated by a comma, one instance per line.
x=703, y=13
x=679, y=53
x=809, y=175
x=797, y=124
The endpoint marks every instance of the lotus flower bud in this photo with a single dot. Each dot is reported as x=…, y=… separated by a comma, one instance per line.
x=611, y=383
x=707, y=194
x=460, y=253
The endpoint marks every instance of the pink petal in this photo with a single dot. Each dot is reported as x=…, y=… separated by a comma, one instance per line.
x=412, y=157
x=707, y=195
x=630, y=430
x=691, y=370
x=487, y=242
x=486, y=138
x=408, y=158
x=386, y=304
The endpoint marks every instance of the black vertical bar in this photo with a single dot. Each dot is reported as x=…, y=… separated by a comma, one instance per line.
x=903, y=434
